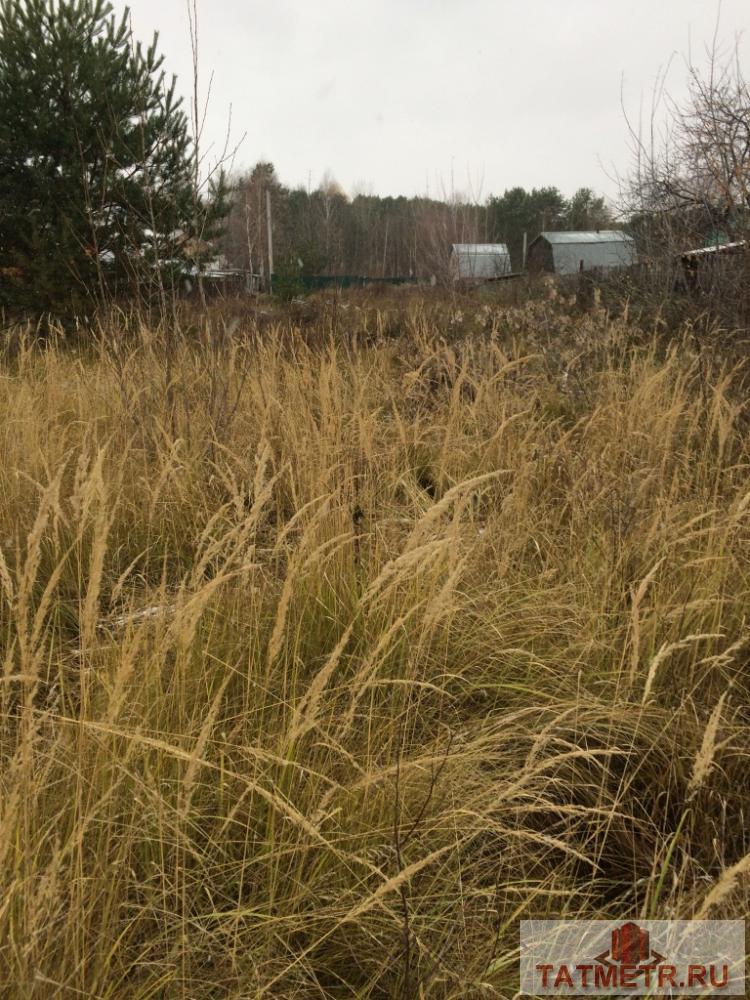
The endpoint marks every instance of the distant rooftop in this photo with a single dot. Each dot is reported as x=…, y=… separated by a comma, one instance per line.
x=716, y=248
x=590, y=236
x=491, y=248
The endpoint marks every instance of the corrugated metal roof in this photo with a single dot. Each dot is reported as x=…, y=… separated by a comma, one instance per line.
x=491, y=248
x=591, y=236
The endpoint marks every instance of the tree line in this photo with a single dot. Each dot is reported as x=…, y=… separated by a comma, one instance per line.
x=326, y=232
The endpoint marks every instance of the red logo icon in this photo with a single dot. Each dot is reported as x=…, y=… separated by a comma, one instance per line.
x=630, y=945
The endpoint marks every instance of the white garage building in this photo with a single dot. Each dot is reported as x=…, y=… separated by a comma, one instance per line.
x=479, y=261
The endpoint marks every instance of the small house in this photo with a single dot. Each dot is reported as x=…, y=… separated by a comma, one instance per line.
x=569, y=253
x=479, y=261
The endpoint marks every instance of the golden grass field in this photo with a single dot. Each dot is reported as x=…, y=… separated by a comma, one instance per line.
x=330, y=653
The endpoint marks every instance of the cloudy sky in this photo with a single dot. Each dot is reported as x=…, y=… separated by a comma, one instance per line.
x=418, y=96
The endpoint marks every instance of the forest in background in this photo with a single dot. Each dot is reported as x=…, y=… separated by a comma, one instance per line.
x=324, y=231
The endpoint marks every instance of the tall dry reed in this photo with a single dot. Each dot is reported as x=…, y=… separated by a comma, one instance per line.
x=319, y=680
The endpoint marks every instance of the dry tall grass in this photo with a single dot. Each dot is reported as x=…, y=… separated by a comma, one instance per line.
x=317, y=684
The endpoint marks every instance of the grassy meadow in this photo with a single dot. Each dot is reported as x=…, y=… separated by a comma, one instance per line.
x=333, y=643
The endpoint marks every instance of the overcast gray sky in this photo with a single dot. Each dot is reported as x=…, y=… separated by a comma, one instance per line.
x=400, y=96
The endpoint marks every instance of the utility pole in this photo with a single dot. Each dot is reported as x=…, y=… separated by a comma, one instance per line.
x=261, y=255
x=270, y=240
x=525, y=247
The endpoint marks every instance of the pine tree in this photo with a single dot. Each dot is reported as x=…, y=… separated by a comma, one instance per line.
x=97, y=181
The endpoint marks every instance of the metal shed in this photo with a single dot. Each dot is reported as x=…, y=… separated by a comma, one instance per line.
x=479, y=261
x=568, y=253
